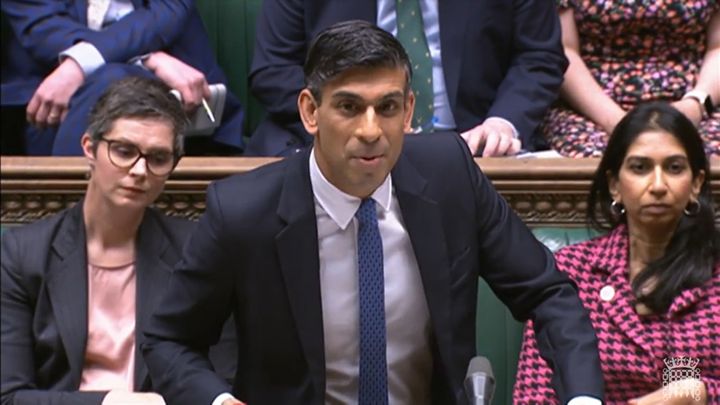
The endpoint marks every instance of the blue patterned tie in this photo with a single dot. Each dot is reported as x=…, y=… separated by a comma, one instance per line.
x=373, y=363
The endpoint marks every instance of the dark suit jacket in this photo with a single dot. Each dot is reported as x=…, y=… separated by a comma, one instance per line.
x=42, y=29
x=44, y=303
x=255, y=253
x=500, y=58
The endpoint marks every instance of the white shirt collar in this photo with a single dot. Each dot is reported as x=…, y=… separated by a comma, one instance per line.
x=340, y=206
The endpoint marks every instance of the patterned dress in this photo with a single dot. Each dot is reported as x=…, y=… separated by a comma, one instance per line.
x=637, y=50
x=632, y=347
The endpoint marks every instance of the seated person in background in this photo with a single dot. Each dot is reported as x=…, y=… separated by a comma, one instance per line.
x=488, y=70
x=652, y=284
x=62, y=55
x=623, y=53
x=77, y=288
x=354, y=265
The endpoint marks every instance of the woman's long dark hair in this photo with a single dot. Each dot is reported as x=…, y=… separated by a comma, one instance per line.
x=695, y=246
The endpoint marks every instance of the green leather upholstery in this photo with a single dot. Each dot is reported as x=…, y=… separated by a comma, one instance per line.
x=231, y=28
x=499, y=335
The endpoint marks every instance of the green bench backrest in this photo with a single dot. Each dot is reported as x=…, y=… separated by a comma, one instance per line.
x=231, y=28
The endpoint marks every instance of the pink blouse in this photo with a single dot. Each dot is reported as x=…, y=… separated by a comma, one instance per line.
x=110, y=351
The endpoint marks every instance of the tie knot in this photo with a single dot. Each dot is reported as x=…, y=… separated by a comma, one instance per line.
x=367, y=214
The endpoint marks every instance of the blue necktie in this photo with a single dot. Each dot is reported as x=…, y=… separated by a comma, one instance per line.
x=373, y=363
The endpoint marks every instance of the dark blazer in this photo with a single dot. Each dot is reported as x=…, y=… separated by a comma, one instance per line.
x=255, y=254
x=500, y=58
x=42, y=29
x=44, y=303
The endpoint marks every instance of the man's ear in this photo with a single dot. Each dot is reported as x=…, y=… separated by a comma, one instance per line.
x=409, y=108
x=307, y=106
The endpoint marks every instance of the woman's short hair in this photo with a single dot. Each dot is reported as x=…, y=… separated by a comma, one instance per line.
x=137, y=97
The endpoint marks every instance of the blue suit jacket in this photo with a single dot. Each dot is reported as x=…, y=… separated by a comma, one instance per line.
x=500, y=58
x=42, y=29
x=255, y=254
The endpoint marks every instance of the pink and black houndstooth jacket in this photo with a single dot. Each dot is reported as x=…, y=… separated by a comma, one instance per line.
x=632, y=347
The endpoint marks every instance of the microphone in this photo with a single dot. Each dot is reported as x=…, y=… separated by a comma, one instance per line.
x=479, y=381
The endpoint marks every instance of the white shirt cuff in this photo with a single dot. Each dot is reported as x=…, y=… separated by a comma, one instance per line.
x=515, y=132
x=583, y=400
x=86, y=55
x=222, y=397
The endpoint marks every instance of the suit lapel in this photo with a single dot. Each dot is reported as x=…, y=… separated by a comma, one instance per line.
x=297, y=247
x=452, y=13
x=423, y=219
x=613, y=265
x=68, y=288
x=152, y=270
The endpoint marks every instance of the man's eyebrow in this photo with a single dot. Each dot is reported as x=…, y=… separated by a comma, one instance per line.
x=394, y=94
x=345, y=94
x=350, y=95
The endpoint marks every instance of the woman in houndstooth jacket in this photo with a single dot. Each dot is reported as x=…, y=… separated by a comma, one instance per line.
x=652, y=283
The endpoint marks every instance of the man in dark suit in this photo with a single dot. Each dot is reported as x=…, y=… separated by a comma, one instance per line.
x=371, y=305
x=61, y=55
x=496, y=67
x=78, y=288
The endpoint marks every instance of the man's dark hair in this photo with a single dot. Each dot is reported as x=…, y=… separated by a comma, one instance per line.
x=695, y=246
x=351, y=44
x=137, y=97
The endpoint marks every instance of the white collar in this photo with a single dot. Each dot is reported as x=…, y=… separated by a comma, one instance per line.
x=340, y=206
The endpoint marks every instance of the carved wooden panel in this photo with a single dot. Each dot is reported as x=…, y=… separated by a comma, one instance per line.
x=544, y=192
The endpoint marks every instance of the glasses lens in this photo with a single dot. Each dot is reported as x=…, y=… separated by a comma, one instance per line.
x=123, y=154
x=160, y=163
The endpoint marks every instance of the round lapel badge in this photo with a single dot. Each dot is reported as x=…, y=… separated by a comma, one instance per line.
x=607, y=293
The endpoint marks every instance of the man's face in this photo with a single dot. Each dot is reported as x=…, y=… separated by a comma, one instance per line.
x=359, y=126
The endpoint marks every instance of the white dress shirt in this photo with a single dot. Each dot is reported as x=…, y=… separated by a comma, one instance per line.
x=407, y=318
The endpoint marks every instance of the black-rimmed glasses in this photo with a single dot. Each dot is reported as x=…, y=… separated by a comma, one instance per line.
x=125, y=155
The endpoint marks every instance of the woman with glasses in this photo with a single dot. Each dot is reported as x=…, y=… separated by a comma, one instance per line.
x=78, y=288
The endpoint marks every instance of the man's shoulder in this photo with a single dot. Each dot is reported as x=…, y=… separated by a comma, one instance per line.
x=261, y=189
x=437, y=147
x=437, y=155
x=268, y=174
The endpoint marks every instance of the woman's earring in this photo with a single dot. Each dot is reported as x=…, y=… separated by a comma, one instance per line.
x=694, y=210
x=617, y=209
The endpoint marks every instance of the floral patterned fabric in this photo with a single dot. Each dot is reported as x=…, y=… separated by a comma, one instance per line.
x=633, y=348
x=638, y=51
